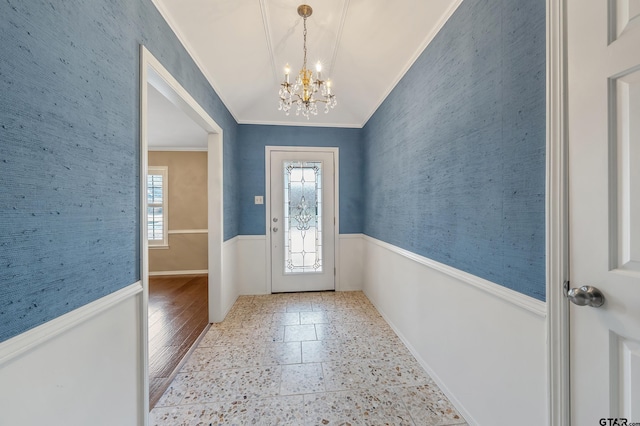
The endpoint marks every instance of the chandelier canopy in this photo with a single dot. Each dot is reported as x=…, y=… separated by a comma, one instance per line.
x=308, y=89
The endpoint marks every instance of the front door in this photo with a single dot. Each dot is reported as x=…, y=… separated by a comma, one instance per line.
x=302, y=220
x=604, y=203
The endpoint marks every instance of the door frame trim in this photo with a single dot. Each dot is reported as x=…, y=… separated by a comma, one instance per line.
x=557, y=217
x=267, y=205
x=153, y=72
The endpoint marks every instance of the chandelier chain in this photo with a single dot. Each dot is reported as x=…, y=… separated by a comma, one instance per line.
x=304, y=62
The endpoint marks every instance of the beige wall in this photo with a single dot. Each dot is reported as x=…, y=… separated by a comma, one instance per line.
x=187, y=211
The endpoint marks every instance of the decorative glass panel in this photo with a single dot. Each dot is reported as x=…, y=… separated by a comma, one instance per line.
x=303, y=217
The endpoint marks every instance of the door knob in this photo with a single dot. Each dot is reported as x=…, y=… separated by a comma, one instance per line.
x=585, y=296
x=275, y=229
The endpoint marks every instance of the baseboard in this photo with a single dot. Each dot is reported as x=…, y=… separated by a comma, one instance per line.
x=170, y=273
x=16, y=346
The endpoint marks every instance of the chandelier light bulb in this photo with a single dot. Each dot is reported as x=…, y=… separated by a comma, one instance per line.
x=287, y=70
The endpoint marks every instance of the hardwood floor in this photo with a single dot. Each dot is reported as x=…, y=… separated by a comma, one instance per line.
x=178, y=313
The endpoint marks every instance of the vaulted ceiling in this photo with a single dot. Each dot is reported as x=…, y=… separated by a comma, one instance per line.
x=365, y=46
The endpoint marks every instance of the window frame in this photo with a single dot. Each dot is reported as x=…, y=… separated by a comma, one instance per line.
x=164, y=172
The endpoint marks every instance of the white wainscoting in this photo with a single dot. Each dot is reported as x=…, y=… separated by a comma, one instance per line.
x=484, y=345
x=252, y=267
x=83, y=368
x=351, y=262
x=229, y=289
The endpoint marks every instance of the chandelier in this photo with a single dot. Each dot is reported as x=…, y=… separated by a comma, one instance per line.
x=308, y=89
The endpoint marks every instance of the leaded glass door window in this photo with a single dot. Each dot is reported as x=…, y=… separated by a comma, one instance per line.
x=303, y=216
x=301, y=221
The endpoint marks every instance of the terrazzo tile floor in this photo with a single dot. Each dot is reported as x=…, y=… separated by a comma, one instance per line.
x=303, y=359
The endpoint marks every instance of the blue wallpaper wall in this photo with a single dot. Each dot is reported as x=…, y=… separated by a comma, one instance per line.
x=455, y=156
x=252, y=141
x=451, y=166
x=69, y=150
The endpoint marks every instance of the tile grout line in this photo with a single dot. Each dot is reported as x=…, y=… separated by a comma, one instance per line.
x=363, y=323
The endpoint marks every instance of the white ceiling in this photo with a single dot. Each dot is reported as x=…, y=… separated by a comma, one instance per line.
x=366, y=46
x=169, y=128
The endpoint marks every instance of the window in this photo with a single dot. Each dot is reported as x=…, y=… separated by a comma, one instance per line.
x=157, y=206
x=302, y=216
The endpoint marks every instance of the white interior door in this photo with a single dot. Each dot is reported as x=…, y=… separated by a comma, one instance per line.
x=302, y=221
x=604, y=203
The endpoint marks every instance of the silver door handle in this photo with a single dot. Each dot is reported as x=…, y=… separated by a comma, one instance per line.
x=586, y=296
x=275, y=229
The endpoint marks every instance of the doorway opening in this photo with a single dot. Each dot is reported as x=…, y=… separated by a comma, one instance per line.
x=198, y=274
